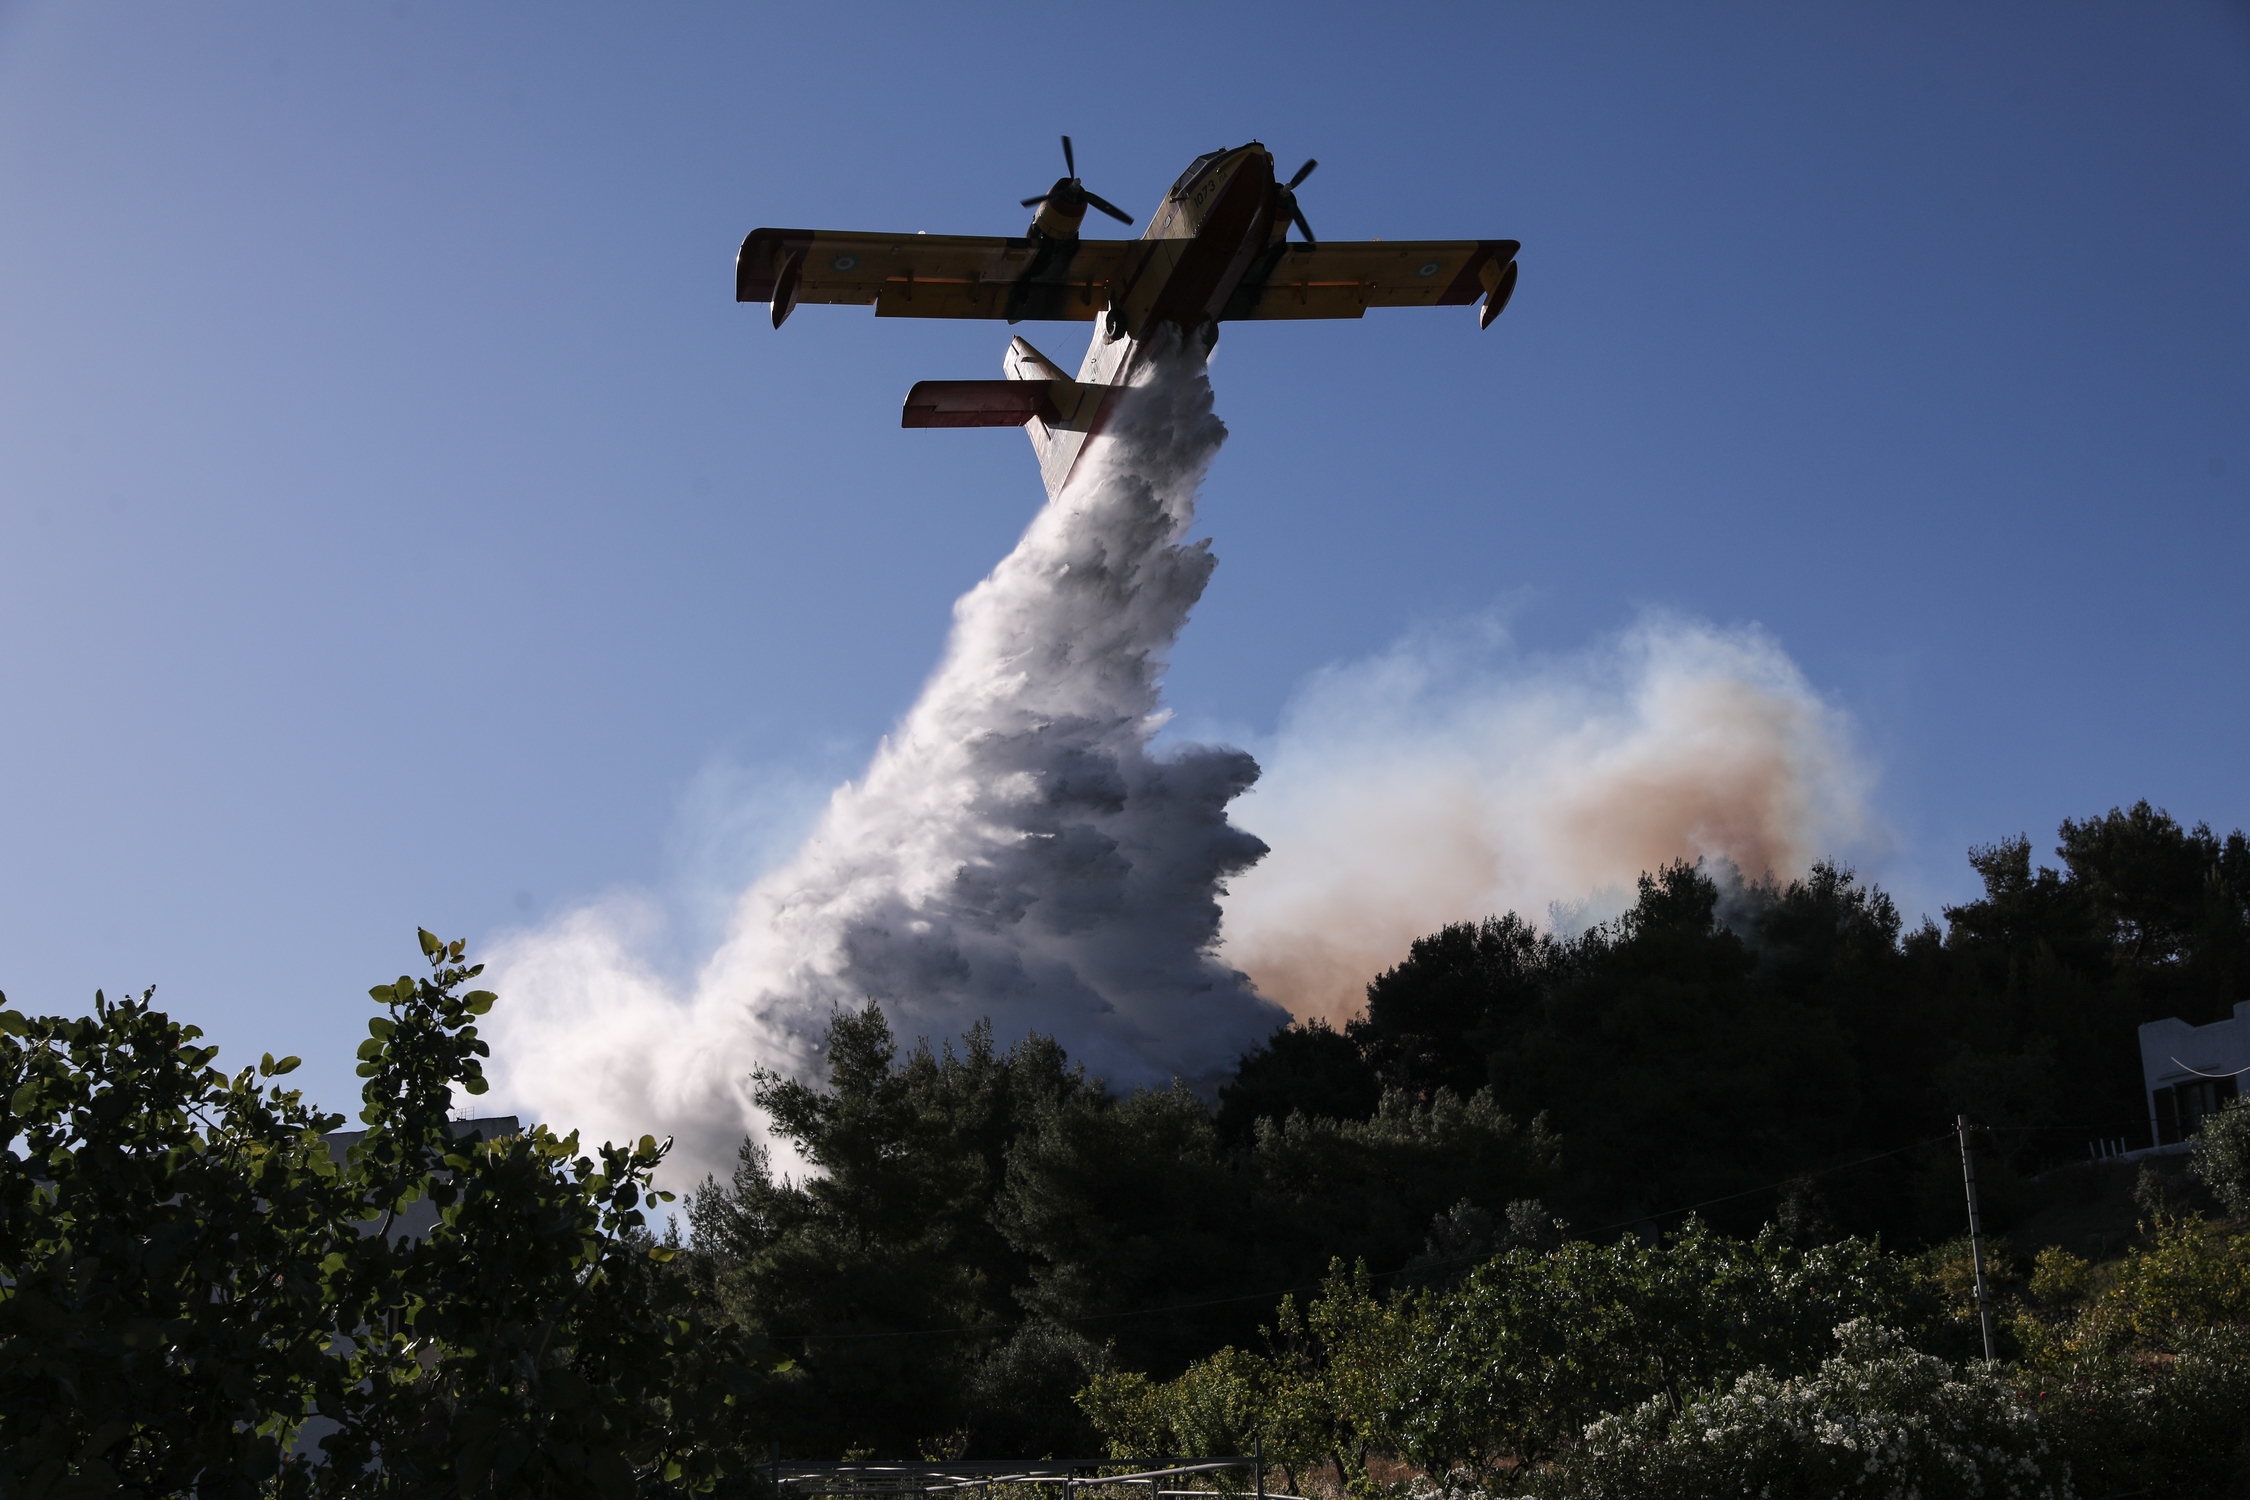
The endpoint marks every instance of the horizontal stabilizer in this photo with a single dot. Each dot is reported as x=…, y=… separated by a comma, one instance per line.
x=978, y=403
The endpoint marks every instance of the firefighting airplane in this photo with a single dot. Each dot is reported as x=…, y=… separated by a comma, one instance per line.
x=1216, y=249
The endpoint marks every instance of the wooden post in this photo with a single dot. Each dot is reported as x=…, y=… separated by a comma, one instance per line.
x=1976, y=1235
x=1258, y=1462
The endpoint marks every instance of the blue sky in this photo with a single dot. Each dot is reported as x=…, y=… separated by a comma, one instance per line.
x=400, y=524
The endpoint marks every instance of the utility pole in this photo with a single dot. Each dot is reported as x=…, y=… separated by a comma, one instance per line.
x=1976, y=1235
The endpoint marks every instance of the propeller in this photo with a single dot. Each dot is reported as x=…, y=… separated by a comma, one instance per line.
x=1285, y=201
x=1069, y=195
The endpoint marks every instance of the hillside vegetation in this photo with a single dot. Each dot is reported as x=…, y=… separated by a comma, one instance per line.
x=1668, y=1207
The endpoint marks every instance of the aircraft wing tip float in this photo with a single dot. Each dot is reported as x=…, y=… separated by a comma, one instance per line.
x=1216, y=250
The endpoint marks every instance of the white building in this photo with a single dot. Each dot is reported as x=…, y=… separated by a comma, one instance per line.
x=414, y=1223
x=420, y=1216
x=2192, y=1071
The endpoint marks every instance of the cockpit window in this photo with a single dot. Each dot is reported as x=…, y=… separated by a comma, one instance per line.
x=1195, y=170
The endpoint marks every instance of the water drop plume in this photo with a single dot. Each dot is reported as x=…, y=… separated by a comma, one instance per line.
x=1014, y=850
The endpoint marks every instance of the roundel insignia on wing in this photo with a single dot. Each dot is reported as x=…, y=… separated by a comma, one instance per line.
x=843, y=263
x=1430, y=269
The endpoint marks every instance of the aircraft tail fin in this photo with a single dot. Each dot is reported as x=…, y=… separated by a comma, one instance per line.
x=1022, y=362
x=1055, y=411
x=1056, y=439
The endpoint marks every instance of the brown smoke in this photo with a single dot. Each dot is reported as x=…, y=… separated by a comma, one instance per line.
x=1433, y=786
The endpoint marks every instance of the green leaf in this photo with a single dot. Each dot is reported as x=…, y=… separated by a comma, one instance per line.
x=265, y=1066
x=289, y=1064
x=381, y=1026
x=474, y=1085
x=13, y=1023
x=661, y=1253
x=565, y=1389
x=611, y=1475
x=431, y=947
x=479, y=1001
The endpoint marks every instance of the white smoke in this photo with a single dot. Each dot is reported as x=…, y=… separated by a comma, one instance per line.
x=1448, y=779
x=1014, y=850
x=1017, y=851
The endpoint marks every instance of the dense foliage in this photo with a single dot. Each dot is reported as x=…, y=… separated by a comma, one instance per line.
x=1719, y=1036
x=2222, y=1156
x=1707, y=1366
x=982, y=1231
x=978, y=1220
x=194, y=1285
x=205, y=1288
x=1877, y=1418
x=1506, y=1367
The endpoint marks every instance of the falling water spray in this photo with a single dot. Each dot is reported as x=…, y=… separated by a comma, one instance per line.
x=1015, y=850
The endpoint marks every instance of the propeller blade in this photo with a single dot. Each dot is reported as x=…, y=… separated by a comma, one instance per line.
x=1032, y=202
x=1304, y=172
x=1303, y=228
x=1109, y=208
x=1069, y=159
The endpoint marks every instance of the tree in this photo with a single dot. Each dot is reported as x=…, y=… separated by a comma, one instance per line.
x=1875, y=1418
x=187, y=1276
x=164, y=1258
x=2165, y=892
x=1482, y=1382
x=1722, y=1038
x=2052, y=971
x=1126, y=1208
x=1304, y=1068
x=976, y=1227
x=2222, y=1156
x=1462, y=994
x=883, y=1271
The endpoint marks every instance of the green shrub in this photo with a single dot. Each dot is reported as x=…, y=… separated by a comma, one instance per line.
x=1709, y=1366
x=2130, y=1422
x=2147, y=1383
x=2190, y=1276
x=180, y=1249
x=1507, y=1368
x=2222, y=1156
x=1875, y=1419
x=2059, y=1278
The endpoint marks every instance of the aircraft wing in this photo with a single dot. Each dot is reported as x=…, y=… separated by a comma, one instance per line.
x=1344, y=278
x=931, y=275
